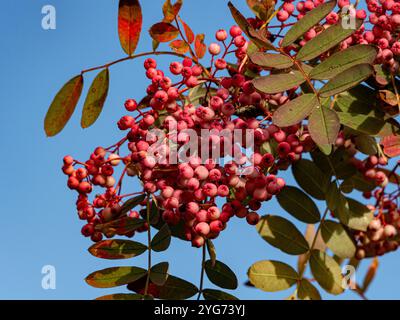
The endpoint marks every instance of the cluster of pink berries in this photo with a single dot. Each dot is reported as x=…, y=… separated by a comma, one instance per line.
x=382, y=15
x=382, y=234
x=370, y=169
x=186, y=192
x=385, y=18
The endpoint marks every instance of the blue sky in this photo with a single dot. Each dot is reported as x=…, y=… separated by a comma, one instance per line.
x=39, y=223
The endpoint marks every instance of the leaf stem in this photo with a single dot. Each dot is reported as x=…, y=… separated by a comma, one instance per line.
x=143, y=54
x=272, y=16
x=203, y=260
x=313, y=242
x=149, y=246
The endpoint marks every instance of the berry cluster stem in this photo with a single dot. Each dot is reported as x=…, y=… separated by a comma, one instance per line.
x=203, y=261
x=149, y=246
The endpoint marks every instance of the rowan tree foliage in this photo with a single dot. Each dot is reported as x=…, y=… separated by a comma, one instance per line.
x=315, y=82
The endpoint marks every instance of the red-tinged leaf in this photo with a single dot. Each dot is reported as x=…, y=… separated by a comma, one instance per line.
x=121, y=226
x=278, y=82
x=121, y=296
x=179, y=46
x=343, y=60
x=114, y=277
x=388, y=97
x=173, y=289
x=63, y=106
x=199, y=46
x=391, y=145
x=326, y=40
x=271, y=60
x=129, y=24
x=170, y=10
x=370, y=274
x=346, y=80
x=163, y=32
x=117, y=249
x=257, y=36
x=95, y=99
x=324, y=127
x=307, y=22
x=295, y=110
x=188, y=31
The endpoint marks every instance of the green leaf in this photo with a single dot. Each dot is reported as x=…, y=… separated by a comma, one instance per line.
x=129, y=24
x=159, y=273
x=327, y=272
x=263, y=9
x=114, y=277
x=326, y=40
x=310, y=178
x=295, y=110
x=176, y=289
x=306, y=291
x=368, y=124
x=278, y=82
x=337, y=239
x=344, y=170
x=342, y=211
x=63, y=106
x=221, y=275
x=95, y=99
x=272, y=276
x=359, y=215
x=346, y=80
x=346, y=186
x=163, y=32
x=212, y=294
x=354, y=101
x=132, y=203
x=162, y=239
x=366, y=144
x=121, y=296
x=282, y=234
x=307, y=22
x=211, y=251
x=271, y=60
x=324, y=127
x=361, y=184
x=343, y=60
x=332, y=196
x=298, y=204
x=117, y=249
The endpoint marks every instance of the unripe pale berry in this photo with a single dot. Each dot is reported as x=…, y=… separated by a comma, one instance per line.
x=214, y=49
x=202, y=228
x=221, y=35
